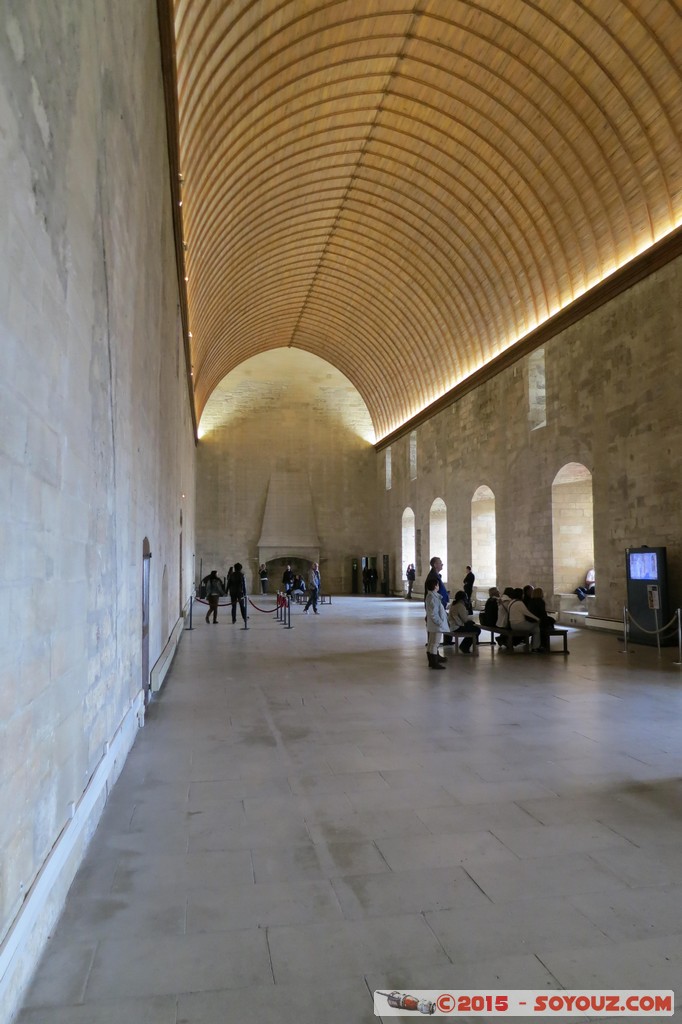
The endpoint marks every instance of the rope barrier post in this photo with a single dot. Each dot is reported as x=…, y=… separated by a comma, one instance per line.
x=244, y=607
x=625, y=631
x=288, y=625
x=679, y=637
x=191, y=604
x=657, y=631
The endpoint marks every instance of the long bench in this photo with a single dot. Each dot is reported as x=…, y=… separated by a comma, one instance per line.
x=512, y=634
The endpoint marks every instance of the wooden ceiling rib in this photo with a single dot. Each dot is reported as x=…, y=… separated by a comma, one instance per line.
x=406, y=188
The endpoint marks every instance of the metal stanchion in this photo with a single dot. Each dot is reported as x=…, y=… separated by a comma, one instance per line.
x=679, y=637
x=658, y=635
x=244, y=607
x=625, y=630
x=288, y=625
x=191, y=605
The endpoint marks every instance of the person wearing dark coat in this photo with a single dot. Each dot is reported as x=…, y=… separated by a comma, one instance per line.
x=214, y=591
x=468, y=588
x=238, y=592
x=537, y=606
x=287, y=579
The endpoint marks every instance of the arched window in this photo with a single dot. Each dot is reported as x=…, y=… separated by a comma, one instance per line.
x=483, y=532
x=572, y=527
x=438, y=534
x=409, y=546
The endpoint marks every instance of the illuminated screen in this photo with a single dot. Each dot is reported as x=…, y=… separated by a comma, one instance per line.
x=643, y=566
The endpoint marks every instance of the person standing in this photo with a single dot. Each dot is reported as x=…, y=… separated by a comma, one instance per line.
x=435, y=574
x=214, y=591
x=263, y=573
x=287, y=579
x=468, y=587
x=411, y=574
x=238, y=591
x=436, y=623
x=314, y=584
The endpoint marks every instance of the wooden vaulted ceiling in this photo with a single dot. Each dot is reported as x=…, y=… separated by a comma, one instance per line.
x=406, y=188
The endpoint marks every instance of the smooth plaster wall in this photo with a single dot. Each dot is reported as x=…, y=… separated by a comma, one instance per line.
x=285, y=412
x=613, y=386
x=96, y=443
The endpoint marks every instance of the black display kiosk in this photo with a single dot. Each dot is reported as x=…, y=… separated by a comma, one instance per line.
x=647, y=581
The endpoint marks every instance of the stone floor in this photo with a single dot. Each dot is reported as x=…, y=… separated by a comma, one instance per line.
x=311, y=814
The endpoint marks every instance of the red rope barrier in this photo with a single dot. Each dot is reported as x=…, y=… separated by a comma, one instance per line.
x=202, y=600
x=266, y=611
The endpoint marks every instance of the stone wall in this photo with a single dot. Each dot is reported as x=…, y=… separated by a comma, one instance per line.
x=96, y=444
x=278, y=417
x=613, y=386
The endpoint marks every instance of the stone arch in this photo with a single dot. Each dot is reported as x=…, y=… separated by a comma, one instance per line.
x=438, y=533
x=409, y=547
x=483, y=537
x=572, y=526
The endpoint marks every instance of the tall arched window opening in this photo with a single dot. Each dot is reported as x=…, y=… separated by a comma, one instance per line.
x=409, y=553
x=438, y=534
x=572, y=527
x=483, y=537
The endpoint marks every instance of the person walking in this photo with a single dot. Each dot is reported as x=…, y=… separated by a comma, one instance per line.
x=238, y=591
x=214, y=591
x=314, y=584
x=411, y=574
x=263, y=573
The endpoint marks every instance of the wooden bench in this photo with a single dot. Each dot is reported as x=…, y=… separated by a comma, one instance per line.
x=511, y=634
x=557, y=631
x=462, y=634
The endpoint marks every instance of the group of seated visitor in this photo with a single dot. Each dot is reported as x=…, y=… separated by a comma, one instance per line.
x=519, y=608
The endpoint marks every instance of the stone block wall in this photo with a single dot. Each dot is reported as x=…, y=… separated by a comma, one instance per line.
x=96, y=443
x=613, y=386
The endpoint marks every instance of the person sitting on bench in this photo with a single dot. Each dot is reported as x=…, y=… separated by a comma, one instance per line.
x=521, y=618
x=537, y=606
x=460, y=619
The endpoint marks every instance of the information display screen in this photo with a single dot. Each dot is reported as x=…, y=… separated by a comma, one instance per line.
x=643, y=565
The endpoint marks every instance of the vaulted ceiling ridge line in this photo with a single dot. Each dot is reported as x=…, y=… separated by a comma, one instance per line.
x=416, y=15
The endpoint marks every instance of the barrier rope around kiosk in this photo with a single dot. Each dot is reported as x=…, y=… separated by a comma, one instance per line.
x=667, y=630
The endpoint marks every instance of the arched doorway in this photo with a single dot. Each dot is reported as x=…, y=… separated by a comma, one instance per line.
x=572, y=527
x=483, y=537
x=409, y=548
x=438, y=534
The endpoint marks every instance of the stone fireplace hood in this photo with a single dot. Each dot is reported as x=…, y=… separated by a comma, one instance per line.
x=289, y=529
